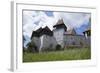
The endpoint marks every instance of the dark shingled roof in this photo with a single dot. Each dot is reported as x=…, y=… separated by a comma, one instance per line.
x=42, y=31
x=60, y=24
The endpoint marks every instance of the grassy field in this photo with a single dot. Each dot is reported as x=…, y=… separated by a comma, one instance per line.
x=68, y=54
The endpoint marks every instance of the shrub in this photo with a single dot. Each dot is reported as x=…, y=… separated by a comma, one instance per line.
x=58, y=47
x=31, y=47
x=24, y=49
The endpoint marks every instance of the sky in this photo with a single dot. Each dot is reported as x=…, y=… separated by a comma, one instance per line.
x=33, y=20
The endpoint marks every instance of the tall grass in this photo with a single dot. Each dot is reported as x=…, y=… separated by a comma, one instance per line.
x=67, y=54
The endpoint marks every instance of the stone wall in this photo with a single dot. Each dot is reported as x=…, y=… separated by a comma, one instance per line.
x=49, y=42
x=36, y=41
x=76, y=41
x=59, y=36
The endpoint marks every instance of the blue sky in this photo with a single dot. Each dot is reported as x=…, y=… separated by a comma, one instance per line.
x=81, y=29
x=49, y=13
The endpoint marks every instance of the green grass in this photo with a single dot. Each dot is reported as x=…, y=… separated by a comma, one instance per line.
x=67, y=54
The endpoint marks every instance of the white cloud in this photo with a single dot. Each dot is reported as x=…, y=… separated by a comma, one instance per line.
x=75, y=20
x=30, y=17
x=72, y=20
x=50, y=21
